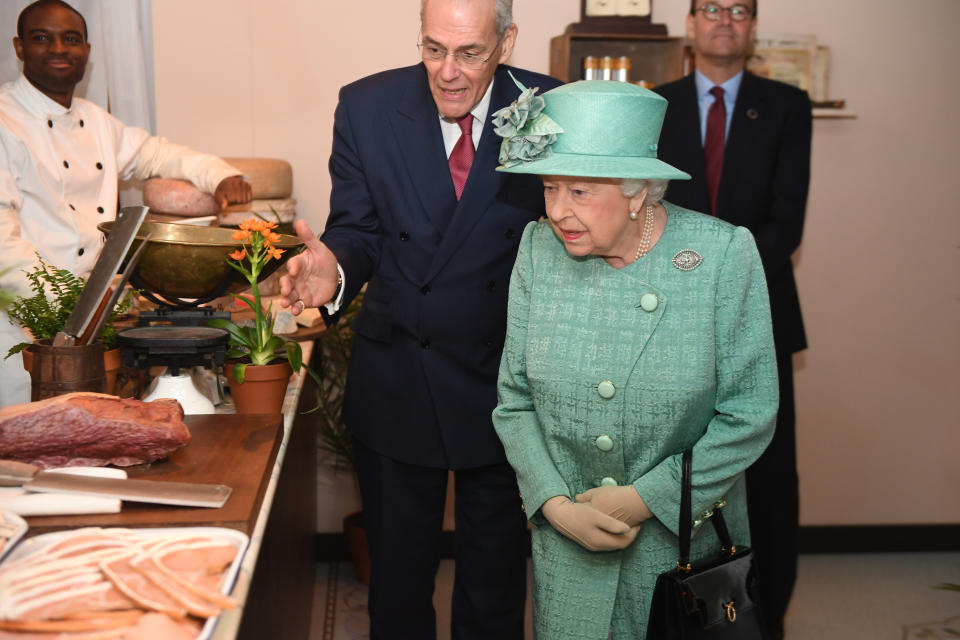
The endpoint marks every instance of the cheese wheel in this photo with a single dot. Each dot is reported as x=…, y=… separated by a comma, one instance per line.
x=233, y=215
x=177, y=198
x=270, y=178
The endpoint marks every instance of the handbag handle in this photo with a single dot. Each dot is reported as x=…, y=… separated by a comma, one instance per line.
x=686, y=517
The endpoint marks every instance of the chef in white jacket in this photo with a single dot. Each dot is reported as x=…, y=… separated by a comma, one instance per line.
x=60, y=161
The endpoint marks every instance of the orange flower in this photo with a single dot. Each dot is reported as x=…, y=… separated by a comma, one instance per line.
x=274, y=253
x=271, y=236
x=239, y=254
x=255, y=224
x=240, y=235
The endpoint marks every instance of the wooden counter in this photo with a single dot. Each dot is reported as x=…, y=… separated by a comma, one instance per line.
x=236, y=450
x=270, y=462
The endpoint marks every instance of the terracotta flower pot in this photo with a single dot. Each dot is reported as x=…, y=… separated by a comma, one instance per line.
x=263, y=388
x=356, y=534
x=112, y=361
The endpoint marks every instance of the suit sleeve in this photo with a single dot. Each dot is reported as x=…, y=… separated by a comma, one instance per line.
x=779, y=235
x=515, y=418
x=353, y=226
x=747, y=393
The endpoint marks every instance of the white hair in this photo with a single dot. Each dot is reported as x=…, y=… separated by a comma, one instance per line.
x=655, y=189
x=502, y=13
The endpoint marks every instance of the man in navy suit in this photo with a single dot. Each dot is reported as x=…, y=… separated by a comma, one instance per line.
x=433, y=231
x=763, y=174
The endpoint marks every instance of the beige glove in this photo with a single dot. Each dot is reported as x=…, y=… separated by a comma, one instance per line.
x=622, y=503
x=586, y=526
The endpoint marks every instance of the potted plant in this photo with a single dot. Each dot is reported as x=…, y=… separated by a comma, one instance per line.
x=259, y=362
x=45, y=312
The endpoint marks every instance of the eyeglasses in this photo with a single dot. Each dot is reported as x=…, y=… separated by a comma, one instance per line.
x=714, y=12
x=466, y=59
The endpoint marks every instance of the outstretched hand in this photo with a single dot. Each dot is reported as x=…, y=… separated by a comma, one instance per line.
x=311, y=278
x=586, y=526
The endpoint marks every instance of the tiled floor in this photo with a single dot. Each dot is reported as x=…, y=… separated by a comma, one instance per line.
x=838, y=597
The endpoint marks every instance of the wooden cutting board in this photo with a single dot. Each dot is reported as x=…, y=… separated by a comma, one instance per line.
x=235, y=450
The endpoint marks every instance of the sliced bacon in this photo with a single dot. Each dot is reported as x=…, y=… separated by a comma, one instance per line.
x=198, y=568
x=107, y=634
x=134, y=585
x=116, y=620
x=157, y=626
x=115, y=585
x=194, y=604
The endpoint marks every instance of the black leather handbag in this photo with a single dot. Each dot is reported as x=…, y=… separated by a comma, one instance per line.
x=715, y=599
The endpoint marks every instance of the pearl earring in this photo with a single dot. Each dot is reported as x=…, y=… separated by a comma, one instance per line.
x=634, y=215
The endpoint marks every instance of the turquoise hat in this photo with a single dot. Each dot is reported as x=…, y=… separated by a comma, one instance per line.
x=590, y=128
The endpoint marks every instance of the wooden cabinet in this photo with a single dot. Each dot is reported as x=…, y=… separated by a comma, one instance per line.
x=654, y=58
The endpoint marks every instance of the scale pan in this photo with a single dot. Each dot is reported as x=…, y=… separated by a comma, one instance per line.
x=187, y=261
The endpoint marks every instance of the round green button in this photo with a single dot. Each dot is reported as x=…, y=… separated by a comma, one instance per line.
x=649, y=302
x=606, y=389
x=604, y=443
x=608, y=482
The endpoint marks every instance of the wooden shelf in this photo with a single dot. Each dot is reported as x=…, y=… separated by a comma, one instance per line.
x=654, y=59
x=834, y=114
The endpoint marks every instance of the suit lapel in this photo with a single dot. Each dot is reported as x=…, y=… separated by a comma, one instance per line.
x=415, y=124
x=744, y=129
x=687, y=151
x=483, y=183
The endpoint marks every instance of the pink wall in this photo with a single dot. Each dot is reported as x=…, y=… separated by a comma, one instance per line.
x=879, y=268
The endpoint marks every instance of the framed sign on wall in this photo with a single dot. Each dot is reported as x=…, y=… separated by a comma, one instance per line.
x=617, y=16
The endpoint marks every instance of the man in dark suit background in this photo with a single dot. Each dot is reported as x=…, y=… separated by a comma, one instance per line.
x=752, y=170
x=419, y=215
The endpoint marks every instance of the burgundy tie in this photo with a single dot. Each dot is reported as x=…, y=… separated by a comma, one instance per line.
x=713, y=145
x=462, y=155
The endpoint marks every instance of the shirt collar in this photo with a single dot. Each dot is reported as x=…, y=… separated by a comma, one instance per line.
x=35, y=101
x=730, y=88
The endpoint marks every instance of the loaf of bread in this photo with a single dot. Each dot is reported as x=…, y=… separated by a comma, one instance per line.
x=269, y=178
x=178, y=198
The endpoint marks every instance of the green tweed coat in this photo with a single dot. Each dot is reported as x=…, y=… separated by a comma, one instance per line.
x=653, y=359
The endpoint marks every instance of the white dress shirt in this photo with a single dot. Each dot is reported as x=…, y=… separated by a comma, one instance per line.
x=59, y=170
x=451, y=130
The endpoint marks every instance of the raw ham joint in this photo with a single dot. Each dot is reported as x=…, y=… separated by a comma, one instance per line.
x=105, y=584
x=91, y=429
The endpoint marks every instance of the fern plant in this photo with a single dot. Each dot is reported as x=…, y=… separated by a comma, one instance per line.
x=55, y=293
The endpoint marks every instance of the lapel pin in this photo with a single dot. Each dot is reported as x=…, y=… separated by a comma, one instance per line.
x=687, y=260
x=753, y=114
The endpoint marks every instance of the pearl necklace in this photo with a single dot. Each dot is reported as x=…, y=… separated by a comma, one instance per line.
x=647, y=234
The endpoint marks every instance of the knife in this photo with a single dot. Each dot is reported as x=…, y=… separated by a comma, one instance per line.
x=113, y=295
x=32, y=478
x=111, y=257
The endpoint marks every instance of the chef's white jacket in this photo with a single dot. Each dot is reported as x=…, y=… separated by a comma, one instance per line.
x=59, y=170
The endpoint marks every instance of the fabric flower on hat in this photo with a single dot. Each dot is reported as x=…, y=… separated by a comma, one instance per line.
x=507, y=122
x=519, y=149
x=526, y=130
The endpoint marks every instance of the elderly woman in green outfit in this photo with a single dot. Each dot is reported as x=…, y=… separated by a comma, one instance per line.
x=636, y=329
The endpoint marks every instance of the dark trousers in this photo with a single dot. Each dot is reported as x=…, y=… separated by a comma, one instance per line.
x=403, y=512
x=773, y=499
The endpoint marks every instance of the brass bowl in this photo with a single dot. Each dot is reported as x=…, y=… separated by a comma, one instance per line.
x=184, y=261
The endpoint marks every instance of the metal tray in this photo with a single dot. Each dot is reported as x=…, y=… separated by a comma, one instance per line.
x=234, y=537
